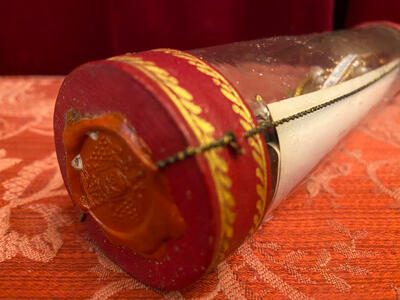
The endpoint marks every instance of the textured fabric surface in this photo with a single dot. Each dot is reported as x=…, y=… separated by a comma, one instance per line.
x=336, y=237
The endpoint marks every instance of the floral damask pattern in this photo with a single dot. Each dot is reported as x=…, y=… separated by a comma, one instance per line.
x=336, y=236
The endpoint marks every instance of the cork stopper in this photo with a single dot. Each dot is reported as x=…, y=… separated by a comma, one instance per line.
x=111, y=177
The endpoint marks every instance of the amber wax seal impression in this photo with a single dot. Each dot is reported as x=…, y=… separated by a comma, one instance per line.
x=111, y=177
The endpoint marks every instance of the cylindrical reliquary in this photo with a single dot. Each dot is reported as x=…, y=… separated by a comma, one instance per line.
x=175, y=157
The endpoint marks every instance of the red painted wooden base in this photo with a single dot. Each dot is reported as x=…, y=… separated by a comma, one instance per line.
x=174, y=100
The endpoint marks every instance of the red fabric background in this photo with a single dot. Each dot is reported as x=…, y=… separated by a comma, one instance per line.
x=53, y=37
x=360, y=11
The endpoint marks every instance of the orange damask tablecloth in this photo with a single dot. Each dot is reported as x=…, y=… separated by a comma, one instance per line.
x=336, y=237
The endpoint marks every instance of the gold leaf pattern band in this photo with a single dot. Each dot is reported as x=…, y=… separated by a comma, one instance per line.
x=203, y=131
x=246, y=122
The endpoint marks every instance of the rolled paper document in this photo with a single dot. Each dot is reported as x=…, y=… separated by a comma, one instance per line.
x=175, y=157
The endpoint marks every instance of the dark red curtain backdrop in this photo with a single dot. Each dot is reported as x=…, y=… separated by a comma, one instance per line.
x=53, y=37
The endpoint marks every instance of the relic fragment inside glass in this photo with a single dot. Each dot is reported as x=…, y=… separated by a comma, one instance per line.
x=268, y=71
x=277, y=68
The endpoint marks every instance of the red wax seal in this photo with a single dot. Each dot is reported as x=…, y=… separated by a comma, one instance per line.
x=112, y=177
